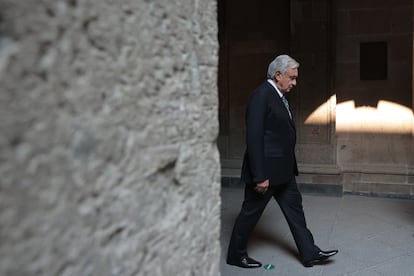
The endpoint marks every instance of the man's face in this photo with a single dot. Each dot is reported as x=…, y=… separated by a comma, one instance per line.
x=286, y=81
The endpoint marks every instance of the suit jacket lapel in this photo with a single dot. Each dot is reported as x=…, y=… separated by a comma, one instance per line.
x=282, y=105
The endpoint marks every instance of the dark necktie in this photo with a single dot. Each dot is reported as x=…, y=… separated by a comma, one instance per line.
x=285, y=101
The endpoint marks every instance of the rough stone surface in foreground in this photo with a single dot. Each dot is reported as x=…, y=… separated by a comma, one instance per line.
x=108, y=116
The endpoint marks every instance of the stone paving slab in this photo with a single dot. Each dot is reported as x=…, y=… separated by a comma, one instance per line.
x=374, y=236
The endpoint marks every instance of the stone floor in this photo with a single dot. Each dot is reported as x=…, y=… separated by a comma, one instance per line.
x=374, y=236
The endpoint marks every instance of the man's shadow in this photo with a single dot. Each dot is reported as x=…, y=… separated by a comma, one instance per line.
x=260, y=235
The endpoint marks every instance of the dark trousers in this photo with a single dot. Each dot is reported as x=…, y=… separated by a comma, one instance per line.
x=289, y=199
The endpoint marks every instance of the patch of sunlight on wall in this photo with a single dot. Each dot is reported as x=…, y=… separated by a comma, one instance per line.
x=387, y=117
x=324, y=114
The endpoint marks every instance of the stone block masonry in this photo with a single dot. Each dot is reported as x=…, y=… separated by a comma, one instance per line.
x=108, y=121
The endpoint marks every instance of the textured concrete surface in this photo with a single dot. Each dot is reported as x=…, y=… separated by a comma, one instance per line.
x=108, y=121
x=374, y=236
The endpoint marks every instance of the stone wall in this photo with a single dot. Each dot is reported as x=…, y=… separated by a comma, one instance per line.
x=108, y=116
x=354, y=134
x=374, y=117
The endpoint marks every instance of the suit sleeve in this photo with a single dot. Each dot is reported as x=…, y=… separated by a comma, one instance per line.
x=255, y=125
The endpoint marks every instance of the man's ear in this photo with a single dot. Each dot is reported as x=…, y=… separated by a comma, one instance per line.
x=277, y=75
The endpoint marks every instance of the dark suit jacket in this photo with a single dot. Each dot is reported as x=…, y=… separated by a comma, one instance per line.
x=270, y=139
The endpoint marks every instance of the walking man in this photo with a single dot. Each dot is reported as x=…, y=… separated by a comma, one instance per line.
x=269, y=167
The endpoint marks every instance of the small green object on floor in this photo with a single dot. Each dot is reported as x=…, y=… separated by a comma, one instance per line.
x=269, y=266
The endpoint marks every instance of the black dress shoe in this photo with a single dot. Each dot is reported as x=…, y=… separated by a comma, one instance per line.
x=320, y=257
x=245, y=262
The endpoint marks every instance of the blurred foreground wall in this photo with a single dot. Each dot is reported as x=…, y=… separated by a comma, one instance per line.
x=108, y=121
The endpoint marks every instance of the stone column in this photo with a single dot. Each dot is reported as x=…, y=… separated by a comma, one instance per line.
x=108, y=121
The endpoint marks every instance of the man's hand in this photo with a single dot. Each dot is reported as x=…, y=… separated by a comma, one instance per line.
x=262, y=186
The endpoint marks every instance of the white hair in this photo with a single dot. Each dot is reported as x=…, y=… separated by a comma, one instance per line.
x=281, y=63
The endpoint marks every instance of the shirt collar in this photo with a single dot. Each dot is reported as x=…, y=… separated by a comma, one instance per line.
x=274, y=85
